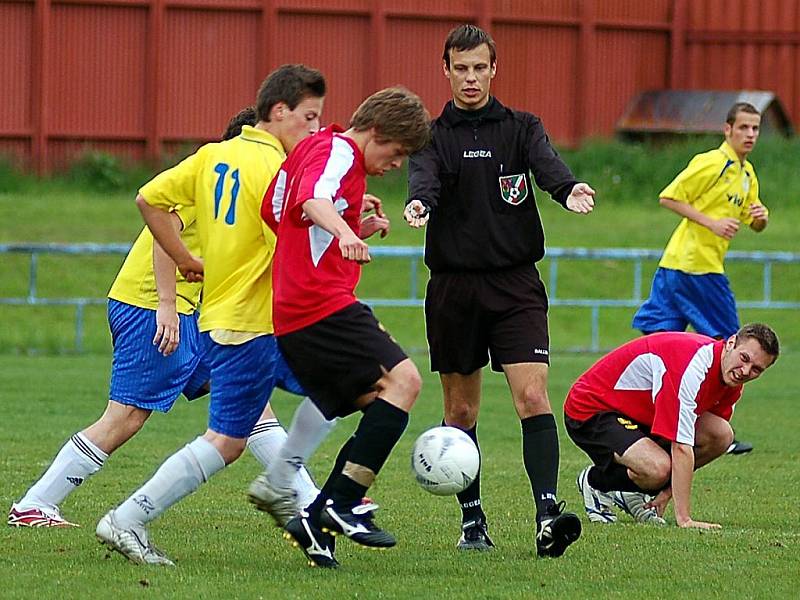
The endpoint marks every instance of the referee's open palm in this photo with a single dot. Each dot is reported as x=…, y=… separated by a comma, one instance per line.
x=581, y=199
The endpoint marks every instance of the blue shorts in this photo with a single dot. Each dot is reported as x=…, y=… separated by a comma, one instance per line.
x=284, y=377
x=140, y=375
x=678, y=299
x=243, y=377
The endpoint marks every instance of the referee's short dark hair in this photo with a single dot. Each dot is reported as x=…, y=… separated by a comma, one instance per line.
x=468, y=37
x=290, y=84
x=398, y=115
x=745, y=107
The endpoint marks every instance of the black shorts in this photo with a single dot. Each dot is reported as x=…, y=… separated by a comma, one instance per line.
x=340, y=358
x=607, y=433
x=471, y=317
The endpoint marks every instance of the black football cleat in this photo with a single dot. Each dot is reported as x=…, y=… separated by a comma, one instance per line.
x=357, y=524
x=317, y=545
x=475, y=536
x=556, y=530
x=738, y=447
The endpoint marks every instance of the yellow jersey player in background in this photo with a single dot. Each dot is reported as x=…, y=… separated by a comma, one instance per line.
x=714, y=194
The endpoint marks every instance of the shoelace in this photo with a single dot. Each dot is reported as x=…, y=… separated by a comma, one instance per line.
x=366, y=512
x=556, y=509
x=475, y=532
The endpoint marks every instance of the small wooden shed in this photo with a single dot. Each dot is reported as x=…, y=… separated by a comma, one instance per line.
x=656, y=114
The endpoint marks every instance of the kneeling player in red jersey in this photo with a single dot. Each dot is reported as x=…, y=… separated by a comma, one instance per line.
x=655, y=409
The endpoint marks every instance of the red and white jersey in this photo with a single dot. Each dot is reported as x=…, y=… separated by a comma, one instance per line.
x=663, y=380
x=310, y=278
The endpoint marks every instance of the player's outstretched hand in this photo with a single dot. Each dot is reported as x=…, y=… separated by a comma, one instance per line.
x=353, y=248
x=416, y=214
x=372, y=224
x=581, y=199
x=372, y=202
x=726, y=227
x=191, y=269
x=168, y=332
x=692, y=524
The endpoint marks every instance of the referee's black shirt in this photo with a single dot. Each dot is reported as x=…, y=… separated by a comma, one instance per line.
x=483, y=215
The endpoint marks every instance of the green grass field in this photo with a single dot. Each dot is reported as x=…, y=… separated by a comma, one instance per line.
x=224, y=548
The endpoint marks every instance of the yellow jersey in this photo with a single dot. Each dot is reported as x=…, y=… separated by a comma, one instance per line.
x=226, y=182
x=135, y=283
x=717, y=184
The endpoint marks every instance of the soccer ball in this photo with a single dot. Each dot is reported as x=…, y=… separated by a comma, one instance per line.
x=445, y=461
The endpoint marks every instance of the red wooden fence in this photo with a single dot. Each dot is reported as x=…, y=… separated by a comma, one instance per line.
x=140, y=77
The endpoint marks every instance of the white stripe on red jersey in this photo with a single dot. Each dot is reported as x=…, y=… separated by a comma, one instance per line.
x=692, y=379
x=338, y=164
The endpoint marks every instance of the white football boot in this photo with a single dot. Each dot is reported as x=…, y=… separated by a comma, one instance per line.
x=131, y=543
x=599, y=505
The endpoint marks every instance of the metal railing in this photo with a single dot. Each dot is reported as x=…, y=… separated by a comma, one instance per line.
x=414, y=255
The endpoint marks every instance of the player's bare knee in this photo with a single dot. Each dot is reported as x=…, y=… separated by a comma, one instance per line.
x=401, y=385
x=118, y=424
x=650, y=470
x=659, y=471
x=461, y=415
x=137, y=419
x=229, y=448
x=533, y=401
x=411, y=381
x=716, y=443
x=713, y=437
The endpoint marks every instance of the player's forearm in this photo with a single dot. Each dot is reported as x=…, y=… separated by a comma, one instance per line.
x=321, y=212
x=164, y=271
x=164, y=268
x=161, y=226
x=686, y=210
x=682, y=473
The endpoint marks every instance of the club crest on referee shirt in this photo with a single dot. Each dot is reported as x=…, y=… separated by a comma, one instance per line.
x=513, y=188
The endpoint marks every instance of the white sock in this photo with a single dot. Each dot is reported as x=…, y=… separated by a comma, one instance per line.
x=179, y=475
x=265, y=440
x=309, y=427
x=77, y=460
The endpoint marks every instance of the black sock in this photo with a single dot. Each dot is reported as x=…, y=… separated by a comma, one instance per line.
x=470, y=498
x=540, y=454
x=613, y=478
x=377, y=434
x=315, y=508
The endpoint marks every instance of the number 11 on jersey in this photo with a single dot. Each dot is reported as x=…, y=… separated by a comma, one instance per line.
x=222, y=170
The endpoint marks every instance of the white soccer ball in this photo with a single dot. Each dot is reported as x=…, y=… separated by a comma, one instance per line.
x=445, y=461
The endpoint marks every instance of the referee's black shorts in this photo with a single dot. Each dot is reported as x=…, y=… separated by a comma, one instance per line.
x=341, y=358
x=474, y=316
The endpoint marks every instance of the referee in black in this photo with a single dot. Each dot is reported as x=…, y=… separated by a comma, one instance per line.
x=484, y=300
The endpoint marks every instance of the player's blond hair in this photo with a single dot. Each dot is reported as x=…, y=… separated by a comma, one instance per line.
x=397, y=115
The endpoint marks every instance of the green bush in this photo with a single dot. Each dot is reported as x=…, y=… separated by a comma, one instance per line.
x=103, y=172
